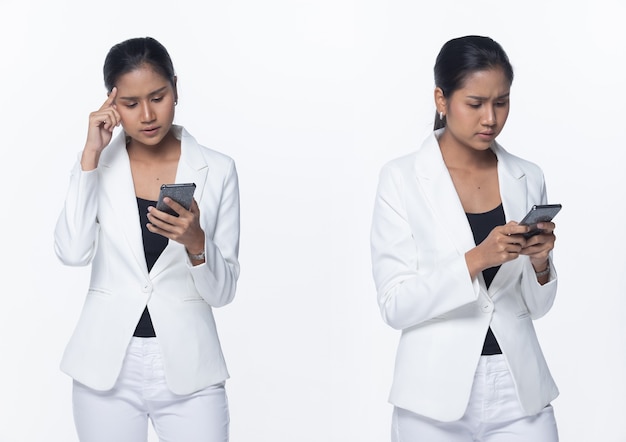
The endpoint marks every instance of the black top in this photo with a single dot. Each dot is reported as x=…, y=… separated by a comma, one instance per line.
x=153, y=246
x=482, y=224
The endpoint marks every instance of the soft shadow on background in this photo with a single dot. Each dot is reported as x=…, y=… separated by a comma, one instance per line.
x=311, y=98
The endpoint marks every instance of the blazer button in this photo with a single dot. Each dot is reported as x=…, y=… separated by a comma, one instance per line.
x=146, y=288
x=487, y=308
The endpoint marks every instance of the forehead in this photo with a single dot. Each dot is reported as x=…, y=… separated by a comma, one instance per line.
x=485, y=83
x=144, y=79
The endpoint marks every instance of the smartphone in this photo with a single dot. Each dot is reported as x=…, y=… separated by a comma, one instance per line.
x=539, y=213
x=181, y=193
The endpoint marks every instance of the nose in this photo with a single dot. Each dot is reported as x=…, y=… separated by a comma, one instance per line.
x=147, y=114
x=489, y=118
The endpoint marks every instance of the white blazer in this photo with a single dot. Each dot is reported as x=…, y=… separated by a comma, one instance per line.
x=419, y=237
x=100, y=225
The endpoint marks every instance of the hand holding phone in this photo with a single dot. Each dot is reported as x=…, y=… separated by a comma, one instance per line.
x=181, y=193
x=537, y=214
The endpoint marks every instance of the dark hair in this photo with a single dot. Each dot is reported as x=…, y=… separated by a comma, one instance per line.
x=131, y=54
x=461, y=57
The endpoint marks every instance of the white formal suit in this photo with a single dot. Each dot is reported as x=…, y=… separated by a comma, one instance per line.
x=100, y=226
x=419, y=236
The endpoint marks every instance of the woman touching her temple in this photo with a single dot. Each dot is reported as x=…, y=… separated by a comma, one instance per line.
x=146, y=344
x=454, y=272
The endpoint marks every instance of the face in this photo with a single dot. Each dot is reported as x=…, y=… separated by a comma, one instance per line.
x=476, y=113
x=145, y=101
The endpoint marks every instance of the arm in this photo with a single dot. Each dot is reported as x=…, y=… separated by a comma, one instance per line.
x=411, y=291
x=77, y=228
x=539, y=290
x=538, y=297
x=216, y=278
x=215, y=274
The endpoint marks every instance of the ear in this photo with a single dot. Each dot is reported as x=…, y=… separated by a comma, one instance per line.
x=440, y=100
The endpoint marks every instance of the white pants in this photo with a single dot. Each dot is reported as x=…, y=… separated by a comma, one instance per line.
x=121, y=414
x=494, y=414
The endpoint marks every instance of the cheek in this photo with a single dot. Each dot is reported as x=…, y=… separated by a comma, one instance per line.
x=503, y=114
x=171, y=112
x=462, y=115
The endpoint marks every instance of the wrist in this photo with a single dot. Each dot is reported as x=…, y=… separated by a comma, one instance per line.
x=475, y=262
x=545, y=269
x=200, y=256
x=89, y=160
x=197, y=257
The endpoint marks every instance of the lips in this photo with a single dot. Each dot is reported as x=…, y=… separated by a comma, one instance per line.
x=150, y=130
x=487, y=136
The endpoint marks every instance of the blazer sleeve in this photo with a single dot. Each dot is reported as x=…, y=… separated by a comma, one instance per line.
x=76, y=232
x=216, y=278
x=411, y=292
x=539, y=298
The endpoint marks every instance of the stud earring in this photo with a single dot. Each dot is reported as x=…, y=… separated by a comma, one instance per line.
x=441, y=116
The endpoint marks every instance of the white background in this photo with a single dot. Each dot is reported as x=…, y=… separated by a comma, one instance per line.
x=311, y=98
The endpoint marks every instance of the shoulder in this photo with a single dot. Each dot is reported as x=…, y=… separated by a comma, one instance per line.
x=401, y=163
x=212, y=157
x=425, y=160
x=397, y=172
x=216, y=157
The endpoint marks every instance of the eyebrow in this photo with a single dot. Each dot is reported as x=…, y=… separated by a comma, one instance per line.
x=158, y=91
x=474, y=97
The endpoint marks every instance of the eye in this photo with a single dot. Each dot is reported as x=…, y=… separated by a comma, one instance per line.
x=131, y=105
x=501, y=103
x=157, y=99
x=474, y=105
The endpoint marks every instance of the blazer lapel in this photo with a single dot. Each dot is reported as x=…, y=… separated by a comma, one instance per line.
x=434, y=179
x=513, y=192
x=117, y=183
x=192, y=168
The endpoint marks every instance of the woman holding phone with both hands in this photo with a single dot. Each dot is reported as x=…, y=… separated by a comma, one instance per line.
x=454, y=271
x=146, y=344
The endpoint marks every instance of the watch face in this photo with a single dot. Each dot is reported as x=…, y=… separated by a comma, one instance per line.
x=198, y=257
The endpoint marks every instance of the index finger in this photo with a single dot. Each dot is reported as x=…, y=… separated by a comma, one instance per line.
x=110, y=99
x=513, y=228
x=178, y=208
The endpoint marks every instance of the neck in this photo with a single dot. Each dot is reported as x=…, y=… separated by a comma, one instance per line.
x=456, y=155
x=167, y=149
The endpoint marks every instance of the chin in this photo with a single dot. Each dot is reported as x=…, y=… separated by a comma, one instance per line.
x=149, y=141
